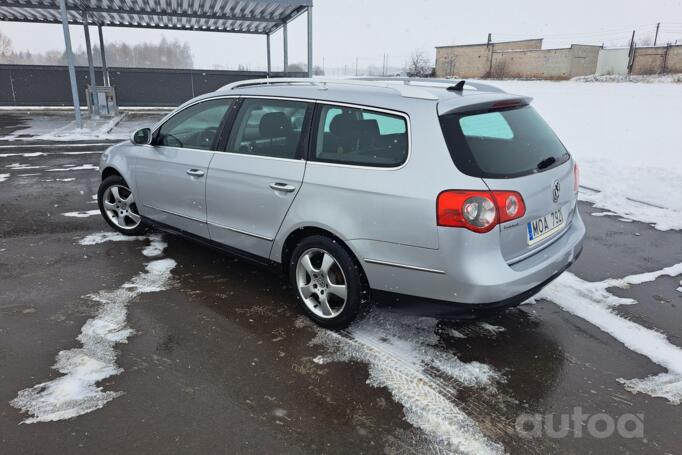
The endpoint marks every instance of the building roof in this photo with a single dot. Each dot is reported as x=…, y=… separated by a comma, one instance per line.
x=492, y=42
x=227, y=16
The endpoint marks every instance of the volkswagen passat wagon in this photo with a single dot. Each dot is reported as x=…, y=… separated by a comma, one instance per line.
x=450, y=195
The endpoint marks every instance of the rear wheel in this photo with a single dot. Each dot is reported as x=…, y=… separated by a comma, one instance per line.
x=117, y=205
x=327, y=281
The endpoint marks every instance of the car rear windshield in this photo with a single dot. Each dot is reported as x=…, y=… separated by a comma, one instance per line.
x=502, y=143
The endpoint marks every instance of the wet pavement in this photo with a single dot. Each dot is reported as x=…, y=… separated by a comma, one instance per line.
x=223, y=362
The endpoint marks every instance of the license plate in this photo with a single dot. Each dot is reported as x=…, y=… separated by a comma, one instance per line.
x=545, y=226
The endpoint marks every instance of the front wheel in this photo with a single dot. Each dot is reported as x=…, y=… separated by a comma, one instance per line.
x=328, y=283
x=117, y=205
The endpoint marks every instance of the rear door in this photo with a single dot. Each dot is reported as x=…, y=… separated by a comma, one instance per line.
x=170, y=174
x=513, y=149
x=252, y=183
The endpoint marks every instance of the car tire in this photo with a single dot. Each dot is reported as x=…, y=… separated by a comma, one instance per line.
x=117, y=204
x=321, y=272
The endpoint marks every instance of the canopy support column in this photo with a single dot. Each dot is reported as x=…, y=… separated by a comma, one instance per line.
x=269, y=60
x=105, y=70
x=70, y=60
x=310, y=41
x=91, y=66
x=285, y=38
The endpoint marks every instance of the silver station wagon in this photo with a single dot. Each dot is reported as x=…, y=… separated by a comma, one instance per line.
x=454, y=197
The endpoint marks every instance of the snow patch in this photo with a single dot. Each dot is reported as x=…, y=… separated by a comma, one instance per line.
x=402, y=356
x=19, y=166
x=494, y=329
x=647, y=79
x=664, y=385
x=101, y=237
x=23, y=155
x=76, y=168
x=76, y=393
x=4, y=177
x=82, y=214
x=592, y=302
x=663, y=219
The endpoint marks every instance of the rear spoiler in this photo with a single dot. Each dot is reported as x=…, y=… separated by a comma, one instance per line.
x=484, y=102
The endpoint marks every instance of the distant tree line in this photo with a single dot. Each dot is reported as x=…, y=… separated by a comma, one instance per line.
x=164, y=54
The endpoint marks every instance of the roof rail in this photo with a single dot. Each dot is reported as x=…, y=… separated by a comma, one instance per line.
x=405, y=90
x=434, y=82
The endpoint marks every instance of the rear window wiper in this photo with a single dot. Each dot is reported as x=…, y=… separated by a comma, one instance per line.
x=547, y=162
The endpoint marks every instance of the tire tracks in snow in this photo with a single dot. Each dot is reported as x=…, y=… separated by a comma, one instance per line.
x=402, y=354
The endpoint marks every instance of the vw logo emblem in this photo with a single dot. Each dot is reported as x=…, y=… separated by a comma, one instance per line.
x=556, y=190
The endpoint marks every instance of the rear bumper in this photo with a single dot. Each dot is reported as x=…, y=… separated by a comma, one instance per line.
x=443, y=309
x=468, y=268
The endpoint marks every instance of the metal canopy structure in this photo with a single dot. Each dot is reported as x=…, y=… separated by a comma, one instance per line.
x=259, y=17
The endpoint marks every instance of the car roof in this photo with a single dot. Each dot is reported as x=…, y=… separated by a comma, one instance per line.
x=399, y=94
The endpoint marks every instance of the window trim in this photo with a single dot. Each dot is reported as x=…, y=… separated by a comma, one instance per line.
x=304, y=140
x=221, y=126
x=312, y=148
x=309, y=150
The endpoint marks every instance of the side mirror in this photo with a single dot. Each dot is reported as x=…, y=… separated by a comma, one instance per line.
x=143, y=136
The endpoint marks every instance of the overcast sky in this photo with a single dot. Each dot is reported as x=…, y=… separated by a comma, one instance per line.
x=346, y=29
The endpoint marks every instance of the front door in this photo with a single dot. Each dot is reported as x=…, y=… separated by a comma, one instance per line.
x=252, y=184
x=170, y=174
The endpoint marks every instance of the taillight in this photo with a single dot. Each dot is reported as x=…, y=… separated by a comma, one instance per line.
x=478, y=211
x=510, y=205
x=576, y=177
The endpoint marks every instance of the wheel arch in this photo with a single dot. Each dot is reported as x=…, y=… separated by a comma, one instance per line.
x=296, y=235
x=108, y=171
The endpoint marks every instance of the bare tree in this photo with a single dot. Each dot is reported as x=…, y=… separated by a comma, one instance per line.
x=296, y=68
x=5, y=45
x=419, y=65
x=645, y=41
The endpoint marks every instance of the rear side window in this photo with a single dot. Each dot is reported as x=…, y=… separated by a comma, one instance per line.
x=269, y=128
x=195, y=127
x=361, y=137
x=502, y=144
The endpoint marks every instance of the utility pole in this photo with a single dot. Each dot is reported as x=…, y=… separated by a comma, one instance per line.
x=656, y=36
x=490, y=39
x=631, y=53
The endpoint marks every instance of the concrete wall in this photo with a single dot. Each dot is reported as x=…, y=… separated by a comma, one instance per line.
x=43, y=85
x=578, y=60
x=612, y=61
x=657, y=60
x=473, y=61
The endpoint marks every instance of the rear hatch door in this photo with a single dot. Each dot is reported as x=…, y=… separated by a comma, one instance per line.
x=510, y=146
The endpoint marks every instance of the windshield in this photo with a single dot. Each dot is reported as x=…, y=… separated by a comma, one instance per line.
x=502, y=143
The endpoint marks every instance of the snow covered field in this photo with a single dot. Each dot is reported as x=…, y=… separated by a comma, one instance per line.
x=627, y=139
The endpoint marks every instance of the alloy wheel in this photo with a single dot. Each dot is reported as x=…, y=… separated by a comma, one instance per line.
x=119, y=205
x=321, y=283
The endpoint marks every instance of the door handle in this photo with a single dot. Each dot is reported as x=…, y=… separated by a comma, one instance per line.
x=278, y=186
x=195, y=172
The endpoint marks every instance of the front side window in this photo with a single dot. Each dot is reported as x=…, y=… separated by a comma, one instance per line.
x=195, y=127
x=504, y=143
x=269, y=128
x=361, y=137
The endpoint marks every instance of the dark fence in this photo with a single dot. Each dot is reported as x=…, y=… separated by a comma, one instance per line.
x=41, y=85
